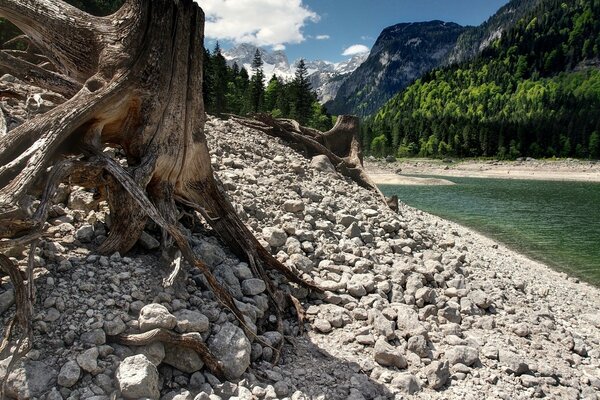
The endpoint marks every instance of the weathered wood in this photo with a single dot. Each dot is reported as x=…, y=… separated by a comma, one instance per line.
x=133, y=81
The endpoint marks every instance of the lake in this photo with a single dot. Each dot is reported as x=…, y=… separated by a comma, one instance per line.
x=557, y=223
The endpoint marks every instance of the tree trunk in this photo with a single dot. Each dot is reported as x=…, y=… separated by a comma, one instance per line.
x=135, y=81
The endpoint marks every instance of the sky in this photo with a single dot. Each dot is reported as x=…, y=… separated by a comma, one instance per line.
x=331, y=30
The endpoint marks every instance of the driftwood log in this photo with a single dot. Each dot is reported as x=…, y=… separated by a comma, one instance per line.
x=133, y=81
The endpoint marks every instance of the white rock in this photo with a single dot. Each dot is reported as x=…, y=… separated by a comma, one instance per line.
x=231, y=346
x=156, y=316
x=191, y=321
x=137, y=377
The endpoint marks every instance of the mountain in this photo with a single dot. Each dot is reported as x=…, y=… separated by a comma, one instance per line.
x=325, y=77
x=328, y=79
x=534, y=91
x=401, y=54
x=475, y=39
x=274, y=63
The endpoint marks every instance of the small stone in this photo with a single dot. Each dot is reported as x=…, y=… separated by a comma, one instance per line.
x=154, y=352
x=512, y=363
x=69, y=374
x=521, y=330
x=407, y=383
x=30, y=380
x=191, y=321
x=353, y=231
x=322, y=325
x=114, y=327
x=462, y=354
x=138, y=377
x=418, y=345
x=437, y=374
x=7, y=299
x=88, y=360
x=293, y=206
x=253, y=287
x=275, y=237
x=85, y=233
x=95, y=337
x=148, y=241
x=388, y=356
x=322, y=163
x=156, y=316
x=82, y=200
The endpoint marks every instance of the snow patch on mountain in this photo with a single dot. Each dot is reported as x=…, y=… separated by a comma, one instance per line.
x=325, y=77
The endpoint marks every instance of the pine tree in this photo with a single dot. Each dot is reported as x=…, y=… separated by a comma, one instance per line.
x=302, y=95
x=207, y=84
x=220, y=80
x=257, y=84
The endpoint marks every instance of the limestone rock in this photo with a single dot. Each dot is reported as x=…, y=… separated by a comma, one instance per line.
x=253, y=287
x=407, y=383
x=31, y=379
x=437, y=374
x=388, y=356
x=69, y=374
x=156, y=316
x=322, y=163
x=191, y=321
x=137, y=377
x=275, y=237
x=462, y=355
x=231, y=346
x=182, y=358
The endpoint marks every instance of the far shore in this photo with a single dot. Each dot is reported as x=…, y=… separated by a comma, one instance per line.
x=403, y=171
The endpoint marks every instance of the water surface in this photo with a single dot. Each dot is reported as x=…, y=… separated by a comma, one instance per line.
x=557, y=223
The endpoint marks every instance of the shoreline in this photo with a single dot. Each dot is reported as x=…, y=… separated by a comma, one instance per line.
x=407, y=171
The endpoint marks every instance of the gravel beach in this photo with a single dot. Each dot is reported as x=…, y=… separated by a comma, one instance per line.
x=414, y=306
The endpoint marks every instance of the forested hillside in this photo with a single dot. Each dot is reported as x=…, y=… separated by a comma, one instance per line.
x=533, y=92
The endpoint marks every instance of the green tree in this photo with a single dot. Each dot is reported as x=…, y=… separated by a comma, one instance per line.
x=257, y=84
x=302, y=96
x=379, y=146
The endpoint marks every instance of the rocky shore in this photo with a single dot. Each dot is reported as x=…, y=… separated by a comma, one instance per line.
x=415, y=306
x=408, y=171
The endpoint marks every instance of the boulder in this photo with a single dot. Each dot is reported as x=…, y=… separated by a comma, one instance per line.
x=253, y=286
x=31, y=379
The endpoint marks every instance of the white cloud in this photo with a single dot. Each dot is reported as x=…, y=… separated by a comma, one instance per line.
x=322, y=37
x=355, y=49
x=279, y=47
x=259, y=22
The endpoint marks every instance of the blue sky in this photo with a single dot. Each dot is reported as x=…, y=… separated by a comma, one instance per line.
x=326, y=29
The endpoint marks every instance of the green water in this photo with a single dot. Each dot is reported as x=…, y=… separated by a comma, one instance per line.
x=554, y=222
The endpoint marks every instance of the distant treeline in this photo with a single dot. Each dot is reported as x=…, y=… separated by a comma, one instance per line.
x=534, y=92
x=232, y=90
